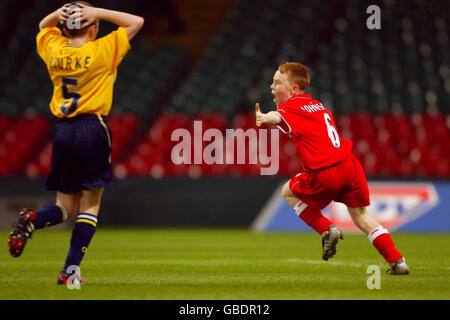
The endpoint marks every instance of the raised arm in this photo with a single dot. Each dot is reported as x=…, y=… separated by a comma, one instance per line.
x=270, y=118
x=53, y=18
x=130, y=22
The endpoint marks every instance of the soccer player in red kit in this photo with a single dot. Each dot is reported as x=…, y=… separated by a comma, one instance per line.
x=329, y=170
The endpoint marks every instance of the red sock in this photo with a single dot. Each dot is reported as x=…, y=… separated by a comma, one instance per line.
x=382, y=241
x=312, y=217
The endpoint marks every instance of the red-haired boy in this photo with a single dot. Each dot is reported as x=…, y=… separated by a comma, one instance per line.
x=330, y=172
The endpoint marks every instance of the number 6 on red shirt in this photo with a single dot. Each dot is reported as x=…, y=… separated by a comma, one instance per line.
x=332, y=132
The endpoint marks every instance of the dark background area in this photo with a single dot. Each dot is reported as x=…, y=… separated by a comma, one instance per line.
x=212, y=60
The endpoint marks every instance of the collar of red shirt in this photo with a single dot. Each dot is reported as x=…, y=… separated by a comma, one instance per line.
x=304, y=96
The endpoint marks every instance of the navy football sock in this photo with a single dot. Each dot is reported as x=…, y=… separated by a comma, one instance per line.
x=50, y=215
x=82, y=234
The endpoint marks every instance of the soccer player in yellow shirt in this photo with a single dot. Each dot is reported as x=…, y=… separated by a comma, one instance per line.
x=83, y=70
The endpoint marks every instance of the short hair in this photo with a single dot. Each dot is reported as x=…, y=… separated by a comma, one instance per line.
x=297, y=73
x=75, y=33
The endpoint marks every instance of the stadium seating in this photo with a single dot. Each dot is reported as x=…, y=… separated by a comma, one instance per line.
x=387, y=146
x=387, y=90
x=20, y=140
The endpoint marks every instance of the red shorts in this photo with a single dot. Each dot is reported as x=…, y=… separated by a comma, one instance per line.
x=344, y=182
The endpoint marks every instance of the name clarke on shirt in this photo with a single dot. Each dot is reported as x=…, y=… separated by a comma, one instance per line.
x=67, y=63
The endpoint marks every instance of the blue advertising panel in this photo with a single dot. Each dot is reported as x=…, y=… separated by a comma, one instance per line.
x=398, y=206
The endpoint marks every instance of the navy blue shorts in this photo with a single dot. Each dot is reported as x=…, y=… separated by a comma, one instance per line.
x=81, y=157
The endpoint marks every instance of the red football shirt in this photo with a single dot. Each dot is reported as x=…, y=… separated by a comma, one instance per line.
x=312, y=129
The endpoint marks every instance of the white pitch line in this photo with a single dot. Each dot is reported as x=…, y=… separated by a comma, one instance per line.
x=335, y=263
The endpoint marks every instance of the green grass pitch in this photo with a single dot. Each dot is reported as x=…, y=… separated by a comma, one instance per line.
x=204, y=264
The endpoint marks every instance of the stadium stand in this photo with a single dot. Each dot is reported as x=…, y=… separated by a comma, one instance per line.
x=388, y=89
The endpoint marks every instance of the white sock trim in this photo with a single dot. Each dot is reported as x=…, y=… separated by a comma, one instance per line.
x=299, y=207
x=87, y=216
x=376, y=232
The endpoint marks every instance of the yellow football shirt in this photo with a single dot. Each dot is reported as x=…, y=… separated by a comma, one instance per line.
x=83, y=76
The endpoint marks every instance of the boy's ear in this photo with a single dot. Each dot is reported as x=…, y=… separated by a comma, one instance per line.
x=296, y=87
x=93, y=29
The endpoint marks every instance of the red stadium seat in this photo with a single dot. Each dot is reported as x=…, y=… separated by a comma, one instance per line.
x=5, y=123
x=389, y=162
x=371, y=164
x=343, y=122
x=124, y=128
x=138, y=166
x=244, y=121
x=408, y=167
x=23, y=140
x=212, y=120
x=361, y=126
x=45, y=159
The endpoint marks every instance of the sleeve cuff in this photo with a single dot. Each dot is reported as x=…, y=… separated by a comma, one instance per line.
x=285, y=122
x=124, y=37
x=42, y=36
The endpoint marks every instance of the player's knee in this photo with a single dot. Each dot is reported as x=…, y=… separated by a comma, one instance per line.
x=69, y=202
x=357, y=213
x=286, y=191
x=70, y=209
